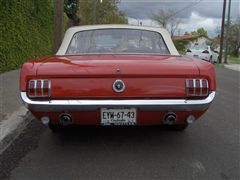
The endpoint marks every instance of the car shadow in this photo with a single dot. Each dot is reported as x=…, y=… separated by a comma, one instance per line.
x=117, y=136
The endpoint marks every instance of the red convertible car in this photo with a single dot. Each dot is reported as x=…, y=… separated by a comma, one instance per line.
x=117, y=75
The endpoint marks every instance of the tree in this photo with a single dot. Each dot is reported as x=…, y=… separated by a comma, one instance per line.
x=174, y=23
x=233, y=37
x=71, y=8
x=166, y=19
x=107, y=12
x=58, y=24
x=200, y=31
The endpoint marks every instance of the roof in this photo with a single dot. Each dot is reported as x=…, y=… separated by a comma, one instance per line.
x=71, y=31
x=188, y=36
x=109, y=26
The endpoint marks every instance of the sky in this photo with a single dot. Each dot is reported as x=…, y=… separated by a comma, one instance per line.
x=193, y=14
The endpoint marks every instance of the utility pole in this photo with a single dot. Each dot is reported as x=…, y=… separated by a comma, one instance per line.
x=222, y=31
x=227, y=31
x=58, y=24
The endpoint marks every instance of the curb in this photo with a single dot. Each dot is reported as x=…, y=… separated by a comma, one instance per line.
x=12, y=127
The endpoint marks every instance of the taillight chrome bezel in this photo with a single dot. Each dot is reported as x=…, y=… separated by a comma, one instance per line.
x=197, y=87
x=39, y=88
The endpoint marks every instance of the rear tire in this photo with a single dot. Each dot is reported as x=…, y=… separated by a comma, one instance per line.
x=55, y=128
x=178, y=127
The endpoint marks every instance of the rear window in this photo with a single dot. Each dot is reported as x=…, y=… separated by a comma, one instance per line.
x=117, y=41
x=197, y=47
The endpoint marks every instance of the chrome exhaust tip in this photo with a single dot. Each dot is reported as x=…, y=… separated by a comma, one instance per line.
x=65, y=119
x=45, y=120
x=170, y=118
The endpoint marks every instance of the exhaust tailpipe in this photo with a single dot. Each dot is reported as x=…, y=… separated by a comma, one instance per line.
x=170, y=118
x=65, y=119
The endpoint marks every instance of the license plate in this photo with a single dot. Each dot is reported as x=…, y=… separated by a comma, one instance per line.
x=118, y=117
x=195, y=55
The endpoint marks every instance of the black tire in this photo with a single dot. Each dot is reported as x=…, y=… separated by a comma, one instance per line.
x=178, y=127
x=55, y=128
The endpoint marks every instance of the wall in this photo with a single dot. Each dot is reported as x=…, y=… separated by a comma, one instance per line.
x=26, y=31
x=202, y=41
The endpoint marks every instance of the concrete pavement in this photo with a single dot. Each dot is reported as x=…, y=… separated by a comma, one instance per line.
x=208, y=149
x=235, y=67
x=12, y=112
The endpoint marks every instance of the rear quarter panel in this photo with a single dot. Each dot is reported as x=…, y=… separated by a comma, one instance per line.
x=207, y=71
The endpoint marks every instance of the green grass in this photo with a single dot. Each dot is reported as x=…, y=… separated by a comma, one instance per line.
x=233, y=60
x=219, y=65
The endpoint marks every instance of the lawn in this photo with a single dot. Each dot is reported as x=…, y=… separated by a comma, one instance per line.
x=233, y=60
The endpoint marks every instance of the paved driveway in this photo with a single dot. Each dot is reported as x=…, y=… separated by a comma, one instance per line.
x=209, y=149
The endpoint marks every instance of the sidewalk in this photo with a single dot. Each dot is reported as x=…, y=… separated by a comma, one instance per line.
x=12, y=112
x=235, y=67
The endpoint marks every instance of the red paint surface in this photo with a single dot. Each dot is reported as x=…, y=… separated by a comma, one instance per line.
x=101, y=88
x=105, y=66
x=92, y=76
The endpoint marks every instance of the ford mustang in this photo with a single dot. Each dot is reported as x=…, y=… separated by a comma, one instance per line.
x=117, y=75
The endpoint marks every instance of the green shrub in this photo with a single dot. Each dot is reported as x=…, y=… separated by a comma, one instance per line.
x=26, y=31
x=181, y=44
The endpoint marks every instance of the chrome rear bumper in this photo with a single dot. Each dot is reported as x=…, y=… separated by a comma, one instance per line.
x=93, y=105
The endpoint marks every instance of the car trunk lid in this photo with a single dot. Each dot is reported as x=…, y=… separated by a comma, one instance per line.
x=92, y=76
x=117, y=66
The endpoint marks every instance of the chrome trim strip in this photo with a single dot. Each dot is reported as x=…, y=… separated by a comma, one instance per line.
x=207, y=87
x=200, y=82
x=49, y=88
x=35, y=87
x=29, y=87
x=42, y=87
x=194, y=87
x=93, y=105
x=187, y=83
x=207, y=83
x=187, y=87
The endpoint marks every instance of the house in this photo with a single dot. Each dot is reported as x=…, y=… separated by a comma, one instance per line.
x=188, y=41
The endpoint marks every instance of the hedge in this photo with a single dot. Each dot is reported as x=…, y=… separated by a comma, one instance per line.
x=26, y=31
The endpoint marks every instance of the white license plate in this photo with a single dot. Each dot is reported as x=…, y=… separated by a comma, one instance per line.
x=118, y=117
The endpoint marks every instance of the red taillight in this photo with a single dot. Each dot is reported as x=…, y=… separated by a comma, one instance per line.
x=196, y=87
x=188, y=50
x=39, y=88
x=206, y=51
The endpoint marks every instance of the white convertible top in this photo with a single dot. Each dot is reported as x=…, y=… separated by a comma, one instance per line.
x=71, y=31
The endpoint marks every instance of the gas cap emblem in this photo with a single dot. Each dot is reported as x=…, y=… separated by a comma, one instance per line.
x=118, y=86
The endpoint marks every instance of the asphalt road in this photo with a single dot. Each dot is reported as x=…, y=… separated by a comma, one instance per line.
x=208, y=149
